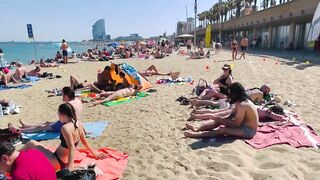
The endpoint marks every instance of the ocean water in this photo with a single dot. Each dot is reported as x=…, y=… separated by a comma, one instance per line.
x=24, y=52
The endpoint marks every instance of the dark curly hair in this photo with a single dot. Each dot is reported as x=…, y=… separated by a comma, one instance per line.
x=237, y=93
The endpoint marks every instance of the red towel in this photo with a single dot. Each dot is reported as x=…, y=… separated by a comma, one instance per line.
x=286, y=133
x=112, y=167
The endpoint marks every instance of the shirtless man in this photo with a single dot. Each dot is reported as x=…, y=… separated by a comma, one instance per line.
x=45, y=65
x=64, y=47
x=258, y=96
x=68, y=96
x=20, y=72
x=243, y=122
x=76, y=85
x=244, y=47
x=105, y=81
x=7, y=77
x=35, y=72
x=114, y=95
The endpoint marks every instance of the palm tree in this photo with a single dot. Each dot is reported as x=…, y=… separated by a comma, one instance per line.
x=231, y=6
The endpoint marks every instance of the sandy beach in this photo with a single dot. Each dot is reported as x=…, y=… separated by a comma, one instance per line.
x=149, y=130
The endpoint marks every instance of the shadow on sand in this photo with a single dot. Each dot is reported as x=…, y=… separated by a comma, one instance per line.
x=203, y=143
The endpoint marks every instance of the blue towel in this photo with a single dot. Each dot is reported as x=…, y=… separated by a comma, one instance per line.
x=21, y=86
x=94, y=130
x=32, y=78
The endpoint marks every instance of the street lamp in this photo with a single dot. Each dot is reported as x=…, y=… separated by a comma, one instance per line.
x=195, y=23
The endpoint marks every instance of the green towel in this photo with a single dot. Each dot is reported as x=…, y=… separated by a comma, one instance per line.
x=125, y=100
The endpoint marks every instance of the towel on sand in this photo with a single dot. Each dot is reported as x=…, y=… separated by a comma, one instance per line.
x=127, y=99
x=179, y=81
x=293, y=132
x=93, y=129
x=20, y=86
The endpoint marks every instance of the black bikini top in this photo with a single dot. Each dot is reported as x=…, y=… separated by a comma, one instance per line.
x=63, y=141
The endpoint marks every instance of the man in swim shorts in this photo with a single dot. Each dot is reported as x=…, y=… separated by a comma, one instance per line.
x=244, y=46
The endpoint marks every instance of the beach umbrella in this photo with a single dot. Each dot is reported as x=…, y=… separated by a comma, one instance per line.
x=113, y=44
x=314, y=32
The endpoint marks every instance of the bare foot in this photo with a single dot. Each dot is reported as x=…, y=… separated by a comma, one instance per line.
x=13, y=129
x=23, y=125
x=191, y=134
x=191, y=118
x=192, y=127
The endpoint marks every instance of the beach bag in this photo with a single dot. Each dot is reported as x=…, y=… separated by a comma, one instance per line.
x=7, y=135
x=78, y=174
x=202, y=85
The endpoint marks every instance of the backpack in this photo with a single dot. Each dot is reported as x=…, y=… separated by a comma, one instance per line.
x=78, y=174
x=202, y=85
x=7, y=135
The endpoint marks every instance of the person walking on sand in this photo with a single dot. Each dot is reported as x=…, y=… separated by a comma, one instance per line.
x=234, y=49
x=64, y=47
x=244, y=47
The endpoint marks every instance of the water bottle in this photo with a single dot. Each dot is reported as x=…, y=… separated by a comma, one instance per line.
x=1, y=111
x=11, y=106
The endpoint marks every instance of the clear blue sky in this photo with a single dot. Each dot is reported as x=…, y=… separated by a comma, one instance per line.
x=73, y=19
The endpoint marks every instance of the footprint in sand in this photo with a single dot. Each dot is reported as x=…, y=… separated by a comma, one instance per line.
x=270, y=165
x=233, y=160
x=218, y=167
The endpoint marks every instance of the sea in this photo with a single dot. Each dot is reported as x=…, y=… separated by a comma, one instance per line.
x=25, y=51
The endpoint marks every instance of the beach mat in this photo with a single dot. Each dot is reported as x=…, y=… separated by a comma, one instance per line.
x=293, y=132
x=139, y=95
x=179, y=81
x=112, y=167
x=93, y=129
x=30, y=79
x=20, y=86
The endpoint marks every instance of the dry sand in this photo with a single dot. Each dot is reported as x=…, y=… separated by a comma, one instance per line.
x=149, y=130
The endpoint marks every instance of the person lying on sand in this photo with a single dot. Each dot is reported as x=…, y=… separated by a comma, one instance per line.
x=114, y=95
x=35, y=72
x=68, y=96
x=259, y=95
x=153, y=71
x=20, y=72
x=72, y=133
x=7, y=77
x=222, y=82
x=243, y=123
x=208, y=114
x=76, y=85
x=46, y=65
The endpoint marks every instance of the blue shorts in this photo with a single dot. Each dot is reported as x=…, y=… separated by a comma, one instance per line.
x=248, y=132
x=64, y=53
x=56, y=127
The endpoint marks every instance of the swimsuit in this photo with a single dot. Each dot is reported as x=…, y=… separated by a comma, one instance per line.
x=222, y=89
x=248, y=132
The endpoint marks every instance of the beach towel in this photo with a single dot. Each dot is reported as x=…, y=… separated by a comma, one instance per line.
x=179, y=81
x=139, y=95
x=293, y=132
x=31, y=79
x=20, y=86
x=93, y=129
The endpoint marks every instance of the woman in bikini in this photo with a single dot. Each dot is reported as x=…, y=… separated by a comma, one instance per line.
x=222, y=83
x=234, y=49
x=72, y=132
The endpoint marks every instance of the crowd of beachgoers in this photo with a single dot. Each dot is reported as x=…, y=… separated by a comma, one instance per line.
x=223, y=108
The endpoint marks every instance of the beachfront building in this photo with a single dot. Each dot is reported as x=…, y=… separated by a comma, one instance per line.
x=132, y=37
x=99, y=32
x=185, y=27
x=285, y=25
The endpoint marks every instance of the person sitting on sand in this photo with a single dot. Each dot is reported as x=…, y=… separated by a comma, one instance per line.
x=105, y=81
x=222, y=82
x=46, y=65
x=243, y=123
x=125, y=83
x=7, y=77
x=114, y=95
x=58, y=57
x=20, y=72
x=35, y=72
x=68, y=96
x=259, y=95
x=31, y=164
x=72, y=132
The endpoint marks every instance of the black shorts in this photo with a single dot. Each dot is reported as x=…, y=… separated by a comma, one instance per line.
x=244, y=48
x=64, y=53
x=80, y=86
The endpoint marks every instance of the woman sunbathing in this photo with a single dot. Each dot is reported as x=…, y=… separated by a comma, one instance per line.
x=72, y=132
x=35, y=72
x=222, y=82
x=76, y=85
x=152, y=71
x=46, y=65
x=114, y=95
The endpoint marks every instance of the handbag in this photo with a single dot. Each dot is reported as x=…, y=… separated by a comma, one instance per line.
x=202, y=85
x=78, y=174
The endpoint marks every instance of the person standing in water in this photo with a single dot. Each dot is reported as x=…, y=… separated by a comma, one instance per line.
x=64, y=47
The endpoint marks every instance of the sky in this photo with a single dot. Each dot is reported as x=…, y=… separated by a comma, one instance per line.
x=72, y=20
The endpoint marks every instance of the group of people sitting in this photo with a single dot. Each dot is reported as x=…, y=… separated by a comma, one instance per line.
x=235, y=111
x=72, y=132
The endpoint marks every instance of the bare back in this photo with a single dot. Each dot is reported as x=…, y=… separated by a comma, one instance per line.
x=250, y=112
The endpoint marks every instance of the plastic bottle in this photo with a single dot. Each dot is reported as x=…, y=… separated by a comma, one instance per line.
x=11, y=106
